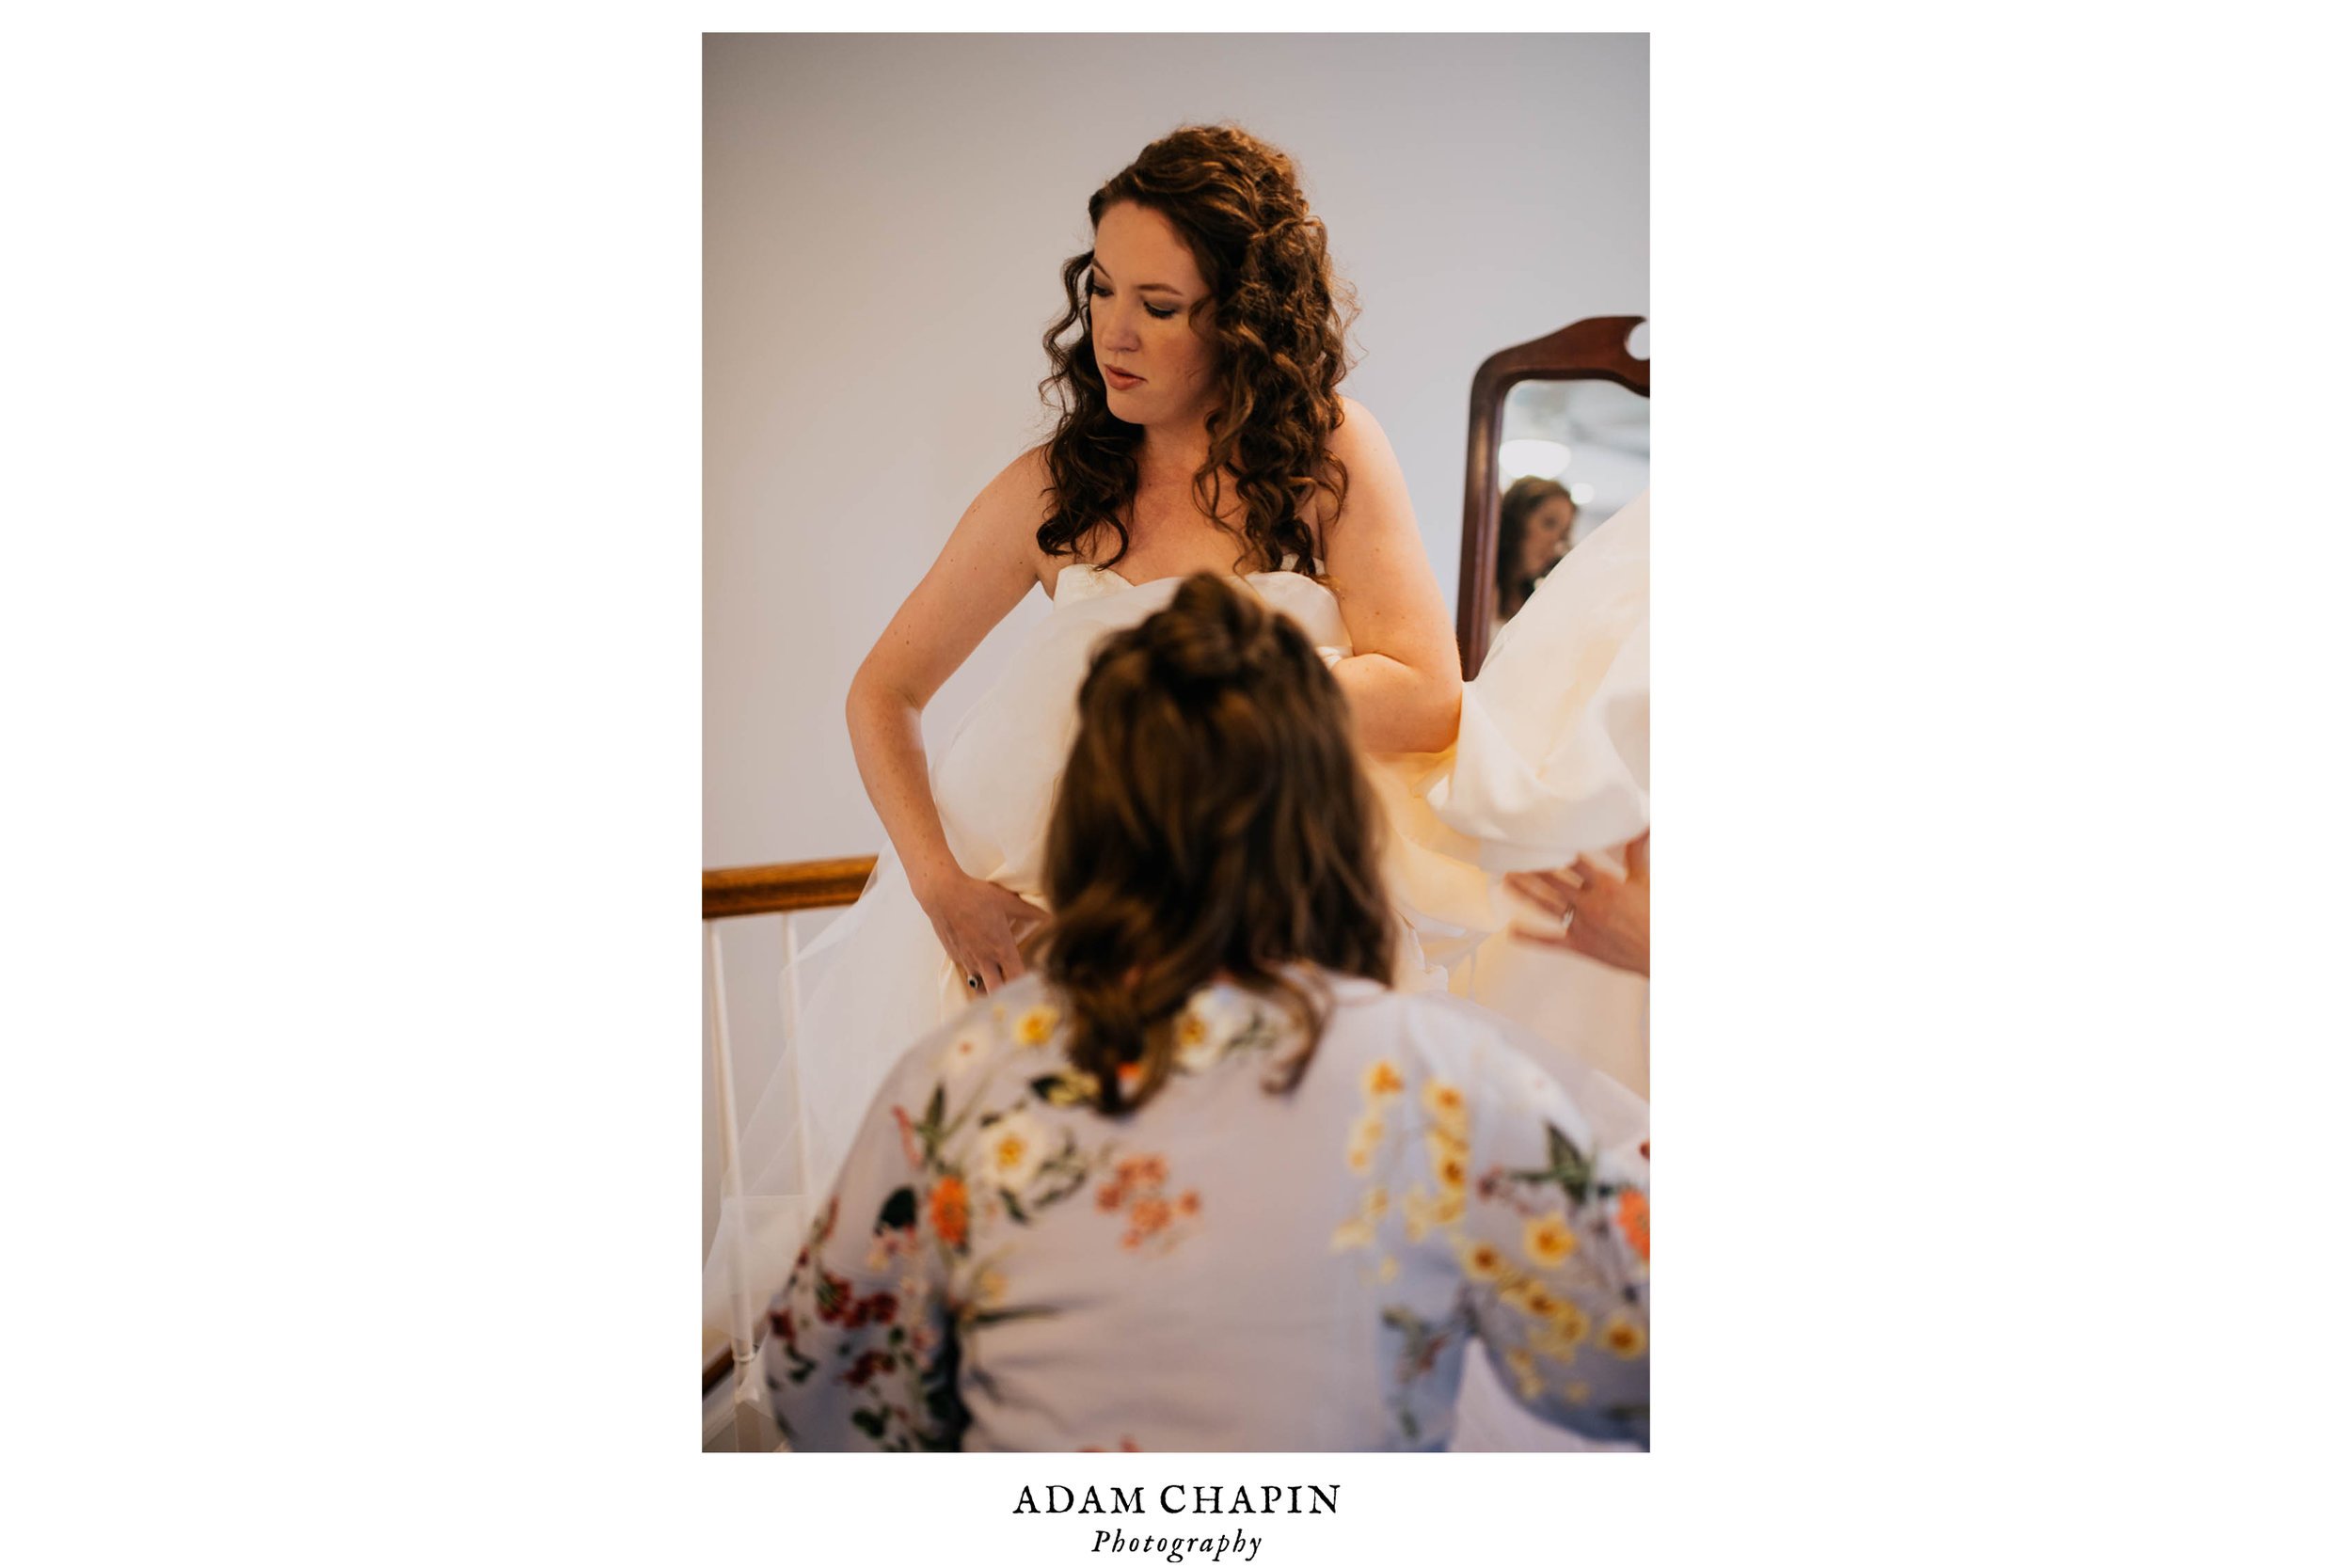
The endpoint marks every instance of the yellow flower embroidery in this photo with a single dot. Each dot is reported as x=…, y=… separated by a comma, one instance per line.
x=1420, y=1214
x=1622, y=1337
x=1484, y=1261
x=1360, y=1231
x=1566, y=1324
x=1549, y=1241
x=1381, y=1080
x=989, y=1288
x=1444, y=1101
x=1036, y=1026
x=1449, y=1162
x=1523, y=1369
x=1362, y=1141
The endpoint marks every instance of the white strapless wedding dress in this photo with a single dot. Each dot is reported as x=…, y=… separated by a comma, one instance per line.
x=1552, y=761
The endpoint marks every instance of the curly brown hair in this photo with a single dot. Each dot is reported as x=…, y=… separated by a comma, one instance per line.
x=1513, y=586
x=1275, y=314
x=1212, y=817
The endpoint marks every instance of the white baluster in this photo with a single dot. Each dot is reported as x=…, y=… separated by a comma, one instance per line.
x=792, y=1044
x=730, y=1164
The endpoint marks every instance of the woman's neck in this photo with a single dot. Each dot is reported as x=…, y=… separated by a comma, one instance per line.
x=1173, y=453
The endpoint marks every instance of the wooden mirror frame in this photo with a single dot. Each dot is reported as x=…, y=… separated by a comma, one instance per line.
x=1593, y=349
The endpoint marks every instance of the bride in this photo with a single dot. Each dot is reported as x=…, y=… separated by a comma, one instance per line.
x=1200, y=429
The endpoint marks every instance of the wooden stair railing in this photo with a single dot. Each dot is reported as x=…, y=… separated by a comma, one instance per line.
x=788, y=885
x=733, y=891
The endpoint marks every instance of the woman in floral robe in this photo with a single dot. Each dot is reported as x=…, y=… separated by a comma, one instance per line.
x=1205, y=1182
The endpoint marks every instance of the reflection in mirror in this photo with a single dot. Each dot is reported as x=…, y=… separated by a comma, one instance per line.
x=1571, y=454
x=1573, y=433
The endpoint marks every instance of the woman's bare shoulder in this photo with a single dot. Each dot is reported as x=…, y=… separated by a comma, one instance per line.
x=1023, y=484
x=1013, y=503
x=994, y=545
x=1019, y=501
x=1356, y=445
x=1357, y=431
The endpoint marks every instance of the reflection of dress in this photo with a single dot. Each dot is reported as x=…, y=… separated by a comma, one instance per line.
x=1552, y=761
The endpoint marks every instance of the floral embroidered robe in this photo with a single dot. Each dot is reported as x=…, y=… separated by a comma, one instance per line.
x=1003, y=1267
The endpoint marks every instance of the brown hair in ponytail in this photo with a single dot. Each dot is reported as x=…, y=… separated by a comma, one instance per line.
x=1212, y=817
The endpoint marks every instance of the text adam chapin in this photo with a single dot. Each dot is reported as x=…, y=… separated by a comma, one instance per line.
x=1180, y=1499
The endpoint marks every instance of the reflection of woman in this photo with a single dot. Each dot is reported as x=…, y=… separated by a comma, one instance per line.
x=1536, y=520
x=1205, y=1184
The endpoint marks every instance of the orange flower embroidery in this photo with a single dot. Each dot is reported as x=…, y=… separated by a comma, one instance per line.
x=1148, y=1218
x=1633, y=1219
x=951, y=1210
x=1138, y=1187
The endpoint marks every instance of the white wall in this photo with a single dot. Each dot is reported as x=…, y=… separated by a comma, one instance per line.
x=884, y=222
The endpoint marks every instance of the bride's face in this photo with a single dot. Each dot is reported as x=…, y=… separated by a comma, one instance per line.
x=1159, y=368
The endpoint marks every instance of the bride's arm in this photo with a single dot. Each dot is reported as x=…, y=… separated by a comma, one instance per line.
x=987, y=563
x=1404, y=680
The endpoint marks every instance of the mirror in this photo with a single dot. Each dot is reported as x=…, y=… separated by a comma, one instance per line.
x=1569, y=456
x=1568, y=412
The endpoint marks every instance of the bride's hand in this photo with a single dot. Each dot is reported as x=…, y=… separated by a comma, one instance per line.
x=981, y=925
